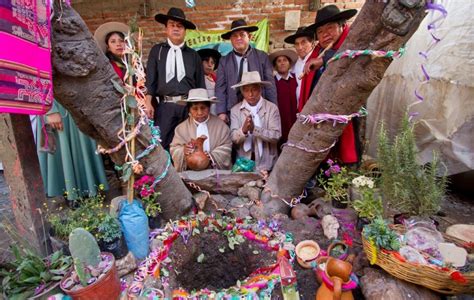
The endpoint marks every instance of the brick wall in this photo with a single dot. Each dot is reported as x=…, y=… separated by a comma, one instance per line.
x=207, y=14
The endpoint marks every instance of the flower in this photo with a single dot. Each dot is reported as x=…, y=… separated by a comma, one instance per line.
x=363, y=181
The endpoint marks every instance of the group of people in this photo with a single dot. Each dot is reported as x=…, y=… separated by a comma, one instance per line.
x=244, y=103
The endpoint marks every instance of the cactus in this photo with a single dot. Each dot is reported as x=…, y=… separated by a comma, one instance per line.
x=84, y=248
x=81, y=272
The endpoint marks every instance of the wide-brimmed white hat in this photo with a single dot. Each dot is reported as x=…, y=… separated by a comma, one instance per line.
x=290, y=54
x=199, y=95
x=251, y=78
x=104, y=29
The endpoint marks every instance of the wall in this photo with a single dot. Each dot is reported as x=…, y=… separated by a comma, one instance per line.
x=207, y=15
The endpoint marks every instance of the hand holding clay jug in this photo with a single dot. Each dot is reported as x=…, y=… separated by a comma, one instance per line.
x=198, y=160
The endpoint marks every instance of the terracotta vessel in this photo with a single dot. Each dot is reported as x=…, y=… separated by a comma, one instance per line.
x=306, y=252
x=198, y=160
x=336, y=275
x=338, y=268
x=336, y=293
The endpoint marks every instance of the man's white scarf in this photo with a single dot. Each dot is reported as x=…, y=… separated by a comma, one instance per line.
x=257, y=123
x=202, y=129
x=174, y=61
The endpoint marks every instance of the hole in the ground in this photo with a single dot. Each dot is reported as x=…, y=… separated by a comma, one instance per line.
x=221, y=267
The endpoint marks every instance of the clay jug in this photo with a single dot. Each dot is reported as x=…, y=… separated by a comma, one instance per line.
x=336, y=293
x=338, y=268
x=198, y=160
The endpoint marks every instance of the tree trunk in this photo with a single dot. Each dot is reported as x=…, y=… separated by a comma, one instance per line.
x=82, y=84
x=343, y=89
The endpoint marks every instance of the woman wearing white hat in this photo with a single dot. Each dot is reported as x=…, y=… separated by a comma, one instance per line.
x=255, y=123
x=110, y=38
x=217, y=145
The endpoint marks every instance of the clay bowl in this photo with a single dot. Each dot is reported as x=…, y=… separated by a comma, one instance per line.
x=306, y=252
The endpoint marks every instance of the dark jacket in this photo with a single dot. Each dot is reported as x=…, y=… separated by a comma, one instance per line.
x=228, y=73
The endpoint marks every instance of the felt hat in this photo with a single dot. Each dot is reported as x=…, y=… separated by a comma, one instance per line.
x=250, y=78
x=199, y=95
x=330, y=13
x=106, y=28
x=237, y=25
x=300, y=32
x=290, y=54
x=176, y=14
x=208, y=52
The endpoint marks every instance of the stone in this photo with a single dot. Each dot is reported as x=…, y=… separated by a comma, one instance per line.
x=300, y=211
x=330, y=226
x=115, y=205
x=251, y=183
x=126, y=264
x=219, y=181
x=252, y=193
x=377, y=284
x=260, y=183
x=453, y=254
x=201, y=199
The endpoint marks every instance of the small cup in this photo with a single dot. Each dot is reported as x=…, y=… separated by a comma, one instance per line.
x=306, y=252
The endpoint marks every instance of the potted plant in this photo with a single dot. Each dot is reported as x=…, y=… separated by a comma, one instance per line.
x=149, y=199
x=335, y=181
x=30, y=276
x=381, y=235
x=110, y=237
x=366, y=200
x=410, y=187
x=94, y=275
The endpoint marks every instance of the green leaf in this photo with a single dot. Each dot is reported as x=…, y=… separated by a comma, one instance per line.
x=200, y=258
x=165, y=272
x=231, y=245
x=222, y=250
x=131, y=101
x=196, y=231
x=118, y=86
x=34, y=279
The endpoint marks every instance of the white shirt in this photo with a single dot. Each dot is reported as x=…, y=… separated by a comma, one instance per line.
x=298, y=70
x=279, y=77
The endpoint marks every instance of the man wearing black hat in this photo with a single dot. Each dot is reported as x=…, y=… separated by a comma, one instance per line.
x=172, y=70
x=331, y=30
x=242, y=59
x=303, y=41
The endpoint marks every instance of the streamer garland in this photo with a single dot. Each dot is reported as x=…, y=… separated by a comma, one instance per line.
x=368, y=52
x=259, y=285
x=319, y=118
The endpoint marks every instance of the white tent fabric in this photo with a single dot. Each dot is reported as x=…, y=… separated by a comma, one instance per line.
x=446, y=116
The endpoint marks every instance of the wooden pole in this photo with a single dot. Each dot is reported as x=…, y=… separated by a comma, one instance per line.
x=22, y=173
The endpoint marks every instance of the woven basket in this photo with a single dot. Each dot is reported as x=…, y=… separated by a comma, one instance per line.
x=437, y=279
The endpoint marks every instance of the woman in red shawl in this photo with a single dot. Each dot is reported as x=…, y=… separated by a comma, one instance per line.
x=331, y=31
x=110, y=38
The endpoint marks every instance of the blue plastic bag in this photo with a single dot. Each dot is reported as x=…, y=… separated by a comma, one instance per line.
x=135, y=228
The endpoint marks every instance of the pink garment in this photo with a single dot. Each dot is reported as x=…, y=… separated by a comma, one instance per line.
x=25, y=57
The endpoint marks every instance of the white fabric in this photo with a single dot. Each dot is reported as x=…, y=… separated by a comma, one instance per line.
x=202, y=129
x=256, y=122
x=446, y=117
x=298, y=70
x=245, y=66
x=174, y=61
x=279, y=77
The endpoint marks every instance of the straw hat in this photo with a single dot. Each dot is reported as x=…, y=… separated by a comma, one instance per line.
x=104, y=29
x=290, y=54
x=251, y=78
x=199, y=95
x=175, y=14
x=236, y=25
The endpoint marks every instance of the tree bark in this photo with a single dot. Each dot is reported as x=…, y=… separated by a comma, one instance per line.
x=82, y=84
x=343, y=89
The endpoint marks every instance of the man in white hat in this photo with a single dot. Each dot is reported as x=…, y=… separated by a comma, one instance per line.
x=255, y=123
x=217, y=145
x=286, y=85
x=172, y=70
x=243, y=58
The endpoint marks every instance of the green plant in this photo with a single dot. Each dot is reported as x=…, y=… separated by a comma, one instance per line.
x=368, y=203
x=381, y=235
x=29, y=274
x=84, y=251
x=410, y=187
x=335, y=181
x=152, y=207
x=109, y=230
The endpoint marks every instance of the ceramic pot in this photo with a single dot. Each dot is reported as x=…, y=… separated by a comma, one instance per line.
x=306, y=252
x=338, y=268
x=344, y=252
x=336, y=293
x=321, y=267
x=198, y=160
x=106, y=287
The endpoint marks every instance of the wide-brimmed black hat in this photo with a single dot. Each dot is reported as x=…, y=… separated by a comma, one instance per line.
x=300, y=32
x=208, y=52
x=175, y=14
x=330, y=13
x=236, y=25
